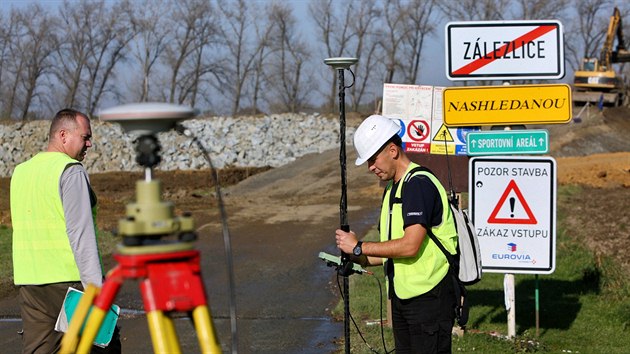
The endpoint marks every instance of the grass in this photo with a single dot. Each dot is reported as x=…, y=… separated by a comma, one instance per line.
x=583, y=307
x=6, y=264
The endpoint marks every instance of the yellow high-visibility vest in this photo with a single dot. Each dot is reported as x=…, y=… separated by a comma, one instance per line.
x=417, y=275
x=41, y=248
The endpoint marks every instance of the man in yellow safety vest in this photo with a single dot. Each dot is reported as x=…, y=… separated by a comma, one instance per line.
x=54, y=237
x=421, y=292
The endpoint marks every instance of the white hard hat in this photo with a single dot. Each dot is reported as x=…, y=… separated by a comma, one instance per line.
x=371, y=135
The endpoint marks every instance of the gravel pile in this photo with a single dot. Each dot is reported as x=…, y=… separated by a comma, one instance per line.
x=272, y=140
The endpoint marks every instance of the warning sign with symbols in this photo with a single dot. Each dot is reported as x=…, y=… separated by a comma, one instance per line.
x=418, y=135
x=513, y=207
x=451, y=140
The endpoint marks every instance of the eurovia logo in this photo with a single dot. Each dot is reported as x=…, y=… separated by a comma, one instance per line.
x=512, y=255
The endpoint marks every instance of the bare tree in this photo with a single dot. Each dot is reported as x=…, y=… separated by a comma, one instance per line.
x=288, y=60
x=202, y=64
x=420, y=22
x=77, y=21
x=335, y=33
x=475, y=10
x=15, y=61
x=108, y=48
x=392, y=39
x=149, y=20
x=7, y=33
x=262, y=79
x=192, y=23
x=242, y=48
x=364, y=27
x=540, y=9
x=34, y=42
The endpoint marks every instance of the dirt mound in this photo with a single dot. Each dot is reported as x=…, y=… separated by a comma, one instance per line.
x=599, y=170
x=595, y=154
x=592, y=132
x=594, y=149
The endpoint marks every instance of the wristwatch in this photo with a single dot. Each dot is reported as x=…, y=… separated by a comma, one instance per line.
x=357, y=251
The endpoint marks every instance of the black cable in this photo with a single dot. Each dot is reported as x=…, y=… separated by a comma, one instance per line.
x=380, y=291
x=353, y=79
x=226, y=235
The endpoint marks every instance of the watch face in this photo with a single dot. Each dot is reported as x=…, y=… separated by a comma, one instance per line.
x=357, y=250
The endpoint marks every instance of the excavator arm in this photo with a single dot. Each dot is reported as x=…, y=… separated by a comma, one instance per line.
x=621, y=55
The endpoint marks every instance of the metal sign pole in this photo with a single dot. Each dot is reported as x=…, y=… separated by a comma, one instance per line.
x=510, y=304
x=536, y=297
x=341, y=64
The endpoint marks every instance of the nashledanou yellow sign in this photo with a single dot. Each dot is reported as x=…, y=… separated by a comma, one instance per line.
x=507, y=105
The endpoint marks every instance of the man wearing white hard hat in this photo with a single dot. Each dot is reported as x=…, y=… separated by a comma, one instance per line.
x=421, y=293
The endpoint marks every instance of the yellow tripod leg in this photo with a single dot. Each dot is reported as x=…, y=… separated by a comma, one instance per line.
x=171, y=338
x=93, y=324
x=163, y=335
x=70, y=340
x=205, y=330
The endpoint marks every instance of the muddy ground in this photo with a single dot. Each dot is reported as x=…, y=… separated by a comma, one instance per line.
x=280, y=219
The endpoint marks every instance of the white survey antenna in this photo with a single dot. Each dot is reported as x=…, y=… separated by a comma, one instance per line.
x=147, y=118
x=341, y=62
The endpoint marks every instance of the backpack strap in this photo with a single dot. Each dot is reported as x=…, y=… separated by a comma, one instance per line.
x=454, y=263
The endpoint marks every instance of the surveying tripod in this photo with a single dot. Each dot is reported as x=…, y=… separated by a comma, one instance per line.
x=168, y=270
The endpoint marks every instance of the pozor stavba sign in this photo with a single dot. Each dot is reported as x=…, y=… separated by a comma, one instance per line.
x=504, y=50
x=507, y=105
x=513, y=207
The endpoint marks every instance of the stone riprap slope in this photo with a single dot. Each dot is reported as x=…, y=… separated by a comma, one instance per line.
x=272, y=140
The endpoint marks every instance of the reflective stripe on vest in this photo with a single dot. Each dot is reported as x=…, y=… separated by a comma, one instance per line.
x=41, y=249
x=417, y=275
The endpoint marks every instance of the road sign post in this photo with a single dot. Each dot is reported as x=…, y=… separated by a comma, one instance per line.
x=513, y=204
x=507, y=142
x=517, y=226
x=504, y=50
x=507, y=105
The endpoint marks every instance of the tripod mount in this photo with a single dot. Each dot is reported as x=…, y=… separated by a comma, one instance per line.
x=149, y=220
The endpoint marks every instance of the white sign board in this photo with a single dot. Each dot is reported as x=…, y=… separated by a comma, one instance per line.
x=418, y=110
x=504, y=50
x=513, y=207
x=412, y=106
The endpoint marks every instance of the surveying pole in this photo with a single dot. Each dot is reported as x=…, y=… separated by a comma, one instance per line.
x=341, y=64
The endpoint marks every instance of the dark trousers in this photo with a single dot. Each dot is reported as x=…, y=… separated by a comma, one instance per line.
x=423, y=324
x=40, y=305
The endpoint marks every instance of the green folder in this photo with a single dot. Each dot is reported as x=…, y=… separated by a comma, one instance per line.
x=105, y=333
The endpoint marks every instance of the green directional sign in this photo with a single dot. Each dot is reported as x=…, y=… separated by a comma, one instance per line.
x=507, y=142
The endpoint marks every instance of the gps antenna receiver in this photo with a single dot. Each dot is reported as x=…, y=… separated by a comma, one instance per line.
x=149, y=218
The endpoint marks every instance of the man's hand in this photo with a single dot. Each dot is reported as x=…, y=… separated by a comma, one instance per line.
x=346, y=240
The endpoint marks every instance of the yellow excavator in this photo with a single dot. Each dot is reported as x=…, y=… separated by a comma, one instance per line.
x=597, y=81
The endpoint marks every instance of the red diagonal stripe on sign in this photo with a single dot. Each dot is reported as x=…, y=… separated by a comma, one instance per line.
x=517, y=43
